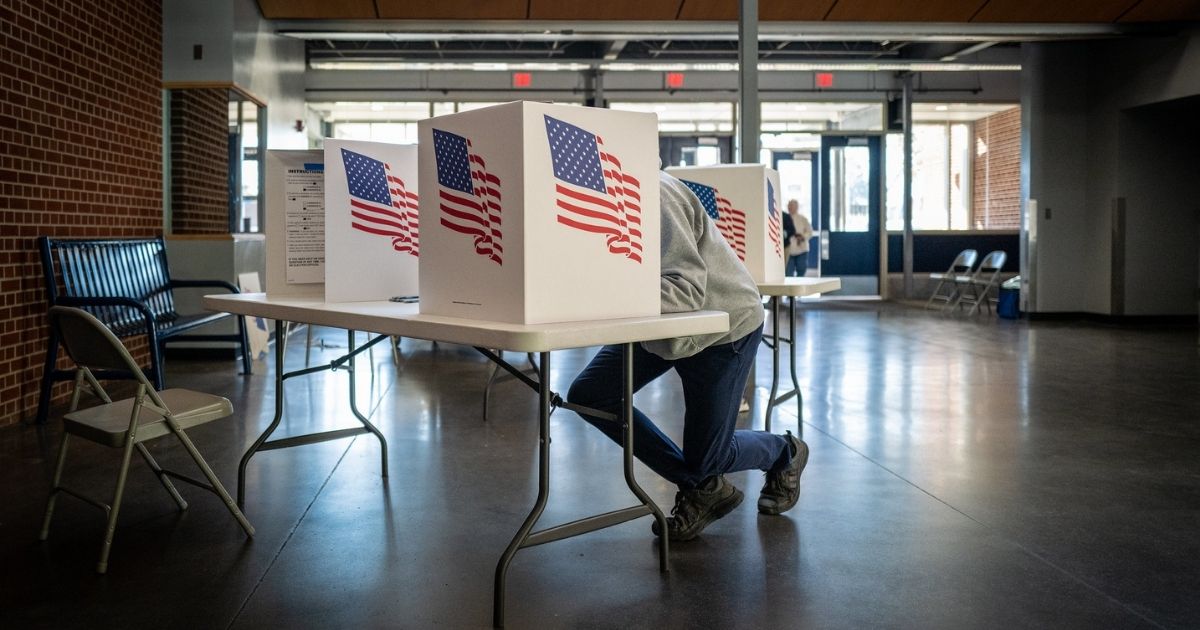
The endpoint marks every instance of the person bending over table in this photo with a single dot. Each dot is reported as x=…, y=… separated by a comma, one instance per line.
x=699, y=272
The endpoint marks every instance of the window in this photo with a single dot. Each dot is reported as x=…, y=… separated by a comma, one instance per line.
x=395, y=133
x=966, y=168
x=941, y=180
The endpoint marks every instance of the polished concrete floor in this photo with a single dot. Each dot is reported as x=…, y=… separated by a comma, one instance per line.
x=964, y=474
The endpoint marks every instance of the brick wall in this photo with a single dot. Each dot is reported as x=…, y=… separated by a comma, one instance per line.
x=997, y=181
x=200, y=161
x=81, y=130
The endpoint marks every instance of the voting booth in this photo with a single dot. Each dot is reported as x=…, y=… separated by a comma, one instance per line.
x=372, y=240
x=534, y=213
x=743, y=200
x=342, y=223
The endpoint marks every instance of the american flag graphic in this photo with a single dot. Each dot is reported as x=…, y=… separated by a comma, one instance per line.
x=731, y=222
x=773, y=225
x=468, y=195
x=592, y=193
x=380, y=203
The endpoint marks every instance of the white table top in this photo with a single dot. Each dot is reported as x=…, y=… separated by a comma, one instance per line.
x=403, y=320
x=797, y=287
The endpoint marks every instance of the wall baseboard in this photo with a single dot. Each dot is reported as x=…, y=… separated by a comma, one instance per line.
x=1172, y=321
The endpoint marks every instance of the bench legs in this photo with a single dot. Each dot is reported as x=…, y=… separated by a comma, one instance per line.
x=43, y=410
x=241, y=324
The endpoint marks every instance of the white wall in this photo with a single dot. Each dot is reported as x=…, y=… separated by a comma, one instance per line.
x=1160, y=180
x=187, y=23
x=271, y=68
x=1054, y=139
x=240, y=48
x=1082, y=150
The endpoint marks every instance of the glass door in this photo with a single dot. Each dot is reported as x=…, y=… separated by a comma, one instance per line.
x=850, y=212
x=798, y=182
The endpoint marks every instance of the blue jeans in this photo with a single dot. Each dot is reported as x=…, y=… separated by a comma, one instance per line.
x=712, y=391
x=797, y=265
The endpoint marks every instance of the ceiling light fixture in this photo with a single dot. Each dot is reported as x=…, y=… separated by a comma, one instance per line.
x=626, y=66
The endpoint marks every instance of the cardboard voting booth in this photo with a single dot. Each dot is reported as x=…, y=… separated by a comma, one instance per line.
x=372, y=240
x=744, y=202
x=294, y=223
x=535, y=213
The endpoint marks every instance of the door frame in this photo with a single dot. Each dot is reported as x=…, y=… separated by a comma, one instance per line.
x=814, y=202
x=880, y=156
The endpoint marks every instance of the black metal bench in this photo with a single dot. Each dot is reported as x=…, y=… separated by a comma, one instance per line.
x=125, y=284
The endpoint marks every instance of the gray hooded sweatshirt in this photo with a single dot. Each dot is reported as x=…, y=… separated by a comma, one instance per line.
x=700, y=272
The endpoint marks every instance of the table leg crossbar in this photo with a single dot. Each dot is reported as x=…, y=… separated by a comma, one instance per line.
x=773, y=342
x=547, y=402
x=263, y=443
x=498, y=362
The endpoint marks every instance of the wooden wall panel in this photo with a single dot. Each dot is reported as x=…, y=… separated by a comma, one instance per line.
x=317, y=9
x=1164, y=11
x=452, y=9
x=904, y=10
x=603, y=10
x=768, y=10
x=1056, y=11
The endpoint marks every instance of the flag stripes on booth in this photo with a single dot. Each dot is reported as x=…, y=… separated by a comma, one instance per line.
x=773, y=225
x=468, y=195
x=731, y=222
x=592, y=193
x=380, y=202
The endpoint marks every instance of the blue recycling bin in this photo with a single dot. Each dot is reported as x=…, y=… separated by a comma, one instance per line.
x=1008, y=302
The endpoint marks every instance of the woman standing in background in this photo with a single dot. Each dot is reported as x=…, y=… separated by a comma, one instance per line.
x=797, y=231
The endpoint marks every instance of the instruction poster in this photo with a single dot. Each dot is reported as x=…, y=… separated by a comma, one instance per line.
x=304, y=217
x=295, y=223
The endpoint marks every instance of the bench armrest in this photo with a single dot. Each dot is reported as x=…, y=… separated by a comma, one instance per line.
x=80, y=302
x=196, y=284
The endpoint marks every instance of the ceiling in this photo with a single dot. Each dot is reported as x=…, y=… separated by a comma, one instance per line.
x=371, y=34
x=961, y=11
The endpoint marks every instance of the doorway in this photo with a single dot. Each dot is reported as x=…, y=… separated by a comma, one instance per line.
x=798, y=181
x=850, y=189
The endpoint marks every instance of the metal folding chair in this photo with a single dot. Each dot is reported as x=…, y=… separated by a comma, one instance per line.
x=127, y=424
x=975, y=289
x=962, y=265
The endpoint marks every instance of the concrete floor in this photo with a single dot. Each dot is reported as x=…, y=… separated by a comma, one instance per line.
x=964, y=474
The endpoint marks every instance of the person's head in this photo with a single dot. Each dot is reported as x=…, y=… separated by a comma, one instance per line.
x=793, y=206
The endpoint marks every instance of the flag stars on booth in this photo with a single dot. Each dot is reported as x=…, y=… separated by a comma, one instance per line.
x=366, y=177
x=575, y=155
x=453, y=168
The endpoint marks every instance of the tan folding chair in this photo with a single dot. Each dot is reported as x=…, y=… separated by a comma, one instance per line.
x=127, y=424
x=975, y=289
x=962, y=265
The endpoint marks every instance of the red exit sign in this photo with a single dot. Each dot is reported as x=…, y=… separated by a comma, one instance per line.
x=824, y=79
x=522, y=79
x=673, y=80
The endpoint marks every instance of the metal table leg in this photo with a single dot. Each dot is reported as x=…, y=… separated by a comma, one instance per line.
x=792, y=362
x=772, y=400
x=280, y=350
x=522, y=535
x=525, y=536
x=774, y=341
x=354, y=404
x=262, y=444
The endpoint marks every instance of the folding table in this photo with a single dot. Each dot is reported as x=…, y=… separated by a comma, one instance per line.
x=395, y=319
x=791, y=288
